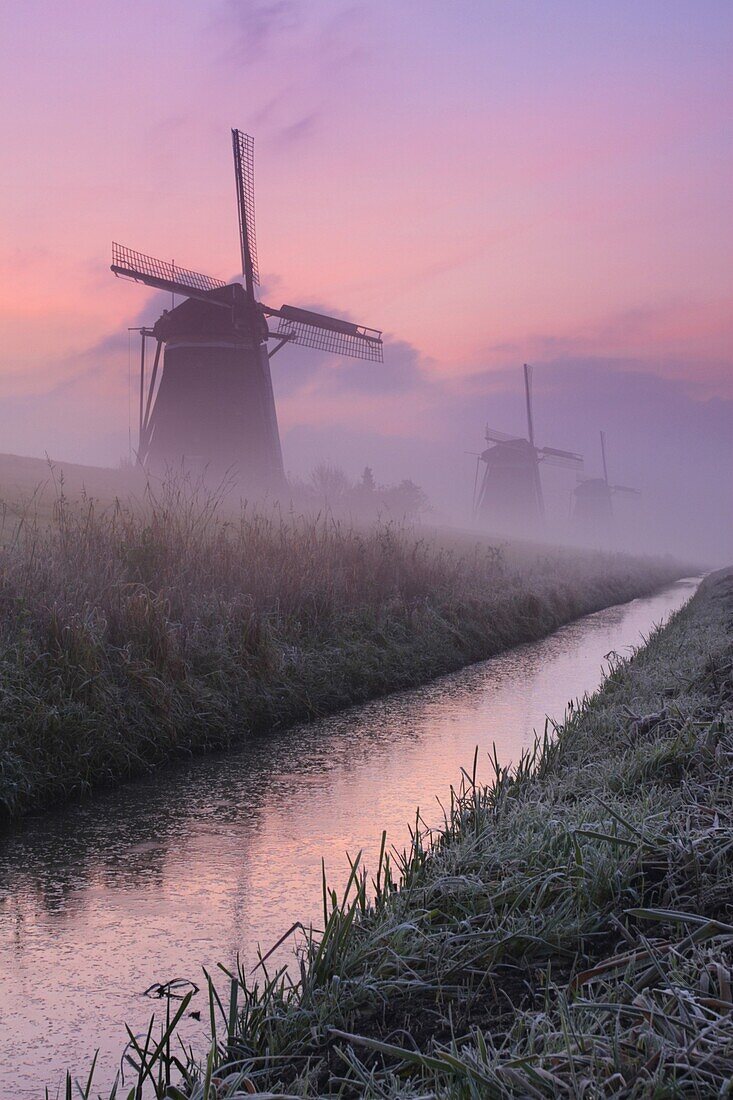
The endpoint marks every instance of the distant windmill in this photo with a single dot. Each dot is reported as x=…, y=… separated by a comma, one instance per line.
x=211, y=402
x=508, y=493
x=593, y=503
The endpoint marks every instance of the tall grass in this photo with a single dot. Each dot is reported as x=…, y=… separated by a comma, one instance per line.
x=136, y=633
x=567, y=932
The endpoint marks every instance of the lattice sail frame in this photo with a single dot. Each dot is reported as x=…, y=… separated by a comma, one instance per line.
x=492, y=435
x=160, y=273
x=576, y=462
x=553, y=456
x=315, y=330
x=299, y=326
x=243, y=147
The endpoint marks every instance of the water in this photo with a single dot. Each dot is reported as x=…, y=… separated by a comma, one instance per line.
x=206, y=860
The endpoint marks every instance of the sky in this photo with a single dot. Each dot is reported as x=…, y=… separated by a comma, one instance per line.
x=488, y=181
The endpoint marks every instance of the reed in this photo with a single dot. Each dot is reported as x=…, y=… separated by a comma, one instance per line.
x=136, y=633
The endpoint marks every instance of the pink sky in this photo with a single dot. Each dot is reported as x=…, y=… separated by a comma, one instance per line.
x=487, y=181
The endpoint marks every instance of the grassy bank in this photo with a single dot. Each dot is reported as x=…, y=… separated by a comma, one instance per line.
x=568, y=933
x=133, y=635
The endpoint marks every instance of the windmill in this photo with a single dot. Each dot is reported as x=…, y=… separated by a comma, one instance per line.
x=593, y=498
x=508, y=494
x=208, y=400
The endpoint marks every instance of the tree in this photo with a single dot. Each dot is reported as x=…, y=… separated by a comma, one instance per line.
x=330, y=482
x=406, y=500
x=367, y=483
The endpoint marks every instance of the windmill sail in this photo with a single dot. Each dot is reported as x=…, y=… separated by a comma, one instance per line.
x=317, y=330
x=210, y=401
x=243, y=147
x=553, y=456
x=510, y=496
x=562, y=454
x=593, y=510
x=161, y=274
x=528, y=401
x=492, y=435
x=603, y=455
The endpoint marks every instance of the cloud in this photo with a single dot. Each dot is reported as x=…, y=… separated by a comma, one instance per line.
x=302, y=371
x=251, y=26
x=297, y=131
x=684, y=339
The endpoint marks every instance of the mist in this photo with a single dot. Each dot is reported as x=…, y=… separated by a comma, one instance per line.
x=666, y=437
x=673, y=446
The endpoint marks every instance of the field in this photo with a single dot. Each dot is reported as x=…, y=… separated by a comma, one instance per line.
x=138, y=629
x=567, y=933
x=32, y=485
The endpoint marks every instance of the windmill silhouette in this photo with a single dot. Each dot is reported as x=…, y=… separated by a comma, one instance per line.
x=209, y=403
x=508, y=494
x=593, y=499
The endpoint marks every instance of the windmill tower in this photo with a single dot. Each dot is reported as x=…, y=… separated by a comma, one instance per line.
x=508, y=492
x=208, y=402
x=593, y=500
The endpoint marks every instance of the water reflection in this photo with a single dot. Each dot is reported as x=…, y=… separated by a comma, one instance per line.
x=200, y=863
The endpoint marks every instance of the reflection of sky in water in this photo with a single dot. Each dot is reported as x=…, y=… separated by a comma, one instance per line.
x=202, y=862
